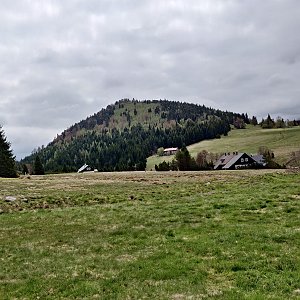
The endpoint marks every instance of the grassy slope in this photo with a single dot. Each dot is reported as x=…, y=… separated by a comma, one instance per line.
x=143, y=116
x=281, y=141
x=197, y=235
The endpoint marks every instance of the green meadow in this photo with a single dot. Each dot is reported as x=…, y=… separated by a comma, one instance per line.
x=282, y=141
x=151, y=235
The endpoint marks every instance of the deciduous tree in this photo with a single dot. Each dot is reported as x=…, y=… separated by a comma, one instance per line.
x=239, y=123
x=204, y=160
x=160, y=151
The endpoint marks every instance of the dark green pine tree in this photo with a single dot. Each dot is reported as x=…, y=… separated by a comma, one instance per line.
x=7, y=160
x=38, y=168
x=183, y=158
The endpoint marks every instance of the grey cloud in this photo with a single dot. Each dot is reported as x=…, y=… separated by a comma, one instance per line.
x=61, y=61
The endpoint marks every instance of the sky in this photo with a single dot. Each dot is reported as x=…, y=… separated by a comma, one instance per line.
x=61, y=61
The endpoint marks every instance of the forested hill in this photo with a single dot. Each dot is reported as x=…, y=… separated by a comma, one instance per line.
x=123, y=135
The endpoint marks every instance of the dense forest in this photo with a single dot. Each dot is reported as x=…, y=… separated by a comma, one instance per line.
x=122, y=136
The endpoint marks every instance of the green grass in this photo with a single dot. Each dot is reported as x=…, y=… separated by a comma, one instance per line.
x=281, y=141
x=173, y=235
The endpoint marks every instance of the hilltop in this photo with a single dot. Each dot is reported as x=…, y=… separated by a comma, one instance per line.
x=125, y=114
x=282, y=141
x=122, y=135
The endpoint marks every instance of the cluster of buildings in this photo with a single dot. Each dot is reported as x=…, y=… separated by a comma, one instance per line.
x=231, y=161
x=228, y=161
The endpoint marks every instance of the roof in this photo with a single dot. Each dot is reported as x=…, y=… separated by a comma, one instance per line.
x=259, y=158
x=170, y=149
x=223, y=160
x=233, y=160
x=82, y=168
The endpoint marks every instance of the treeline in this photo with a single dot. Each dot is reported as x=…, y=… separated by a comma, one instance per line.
x=270, y=123
x=183, y=161
x=114, y=150
x=183, y=111
x=240, y=122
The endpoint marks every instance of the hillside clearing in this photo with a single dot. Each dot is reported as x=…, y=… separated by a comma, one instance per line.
x=133, y=235
x=281, y=141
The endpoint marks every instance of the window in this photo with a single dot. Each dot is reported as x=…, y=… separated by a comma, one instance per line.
x=246, y=159
x=242, y=160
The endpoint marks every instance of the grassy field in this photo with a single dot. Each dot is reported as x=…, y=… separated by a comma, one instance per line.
x=281, y=141
x=148, y=235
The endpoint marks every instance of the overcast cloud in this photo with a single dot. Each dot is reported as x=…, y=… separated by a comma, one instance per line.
x=61, y=61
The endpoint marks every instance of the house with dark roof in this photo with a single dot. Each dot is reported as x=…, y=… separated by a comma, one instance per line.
x=236, y=160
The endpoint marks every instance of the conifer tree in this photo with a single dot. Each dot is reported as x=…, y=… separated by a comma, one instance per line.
x=37, y=166
x=268, y=123
x=254, y=121
x=183, y=158
x=7, y=160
